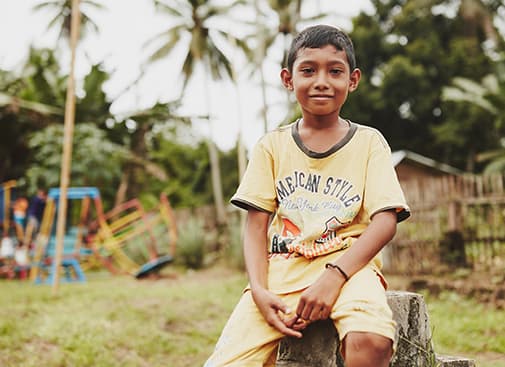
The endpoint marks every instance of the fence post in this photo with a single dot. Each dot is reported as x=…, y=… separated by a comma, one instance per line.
x=452, y=245
x=454, y=218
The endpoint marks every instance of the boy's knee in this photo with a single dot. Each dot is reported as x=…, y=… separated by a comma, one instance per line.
x=367, y=346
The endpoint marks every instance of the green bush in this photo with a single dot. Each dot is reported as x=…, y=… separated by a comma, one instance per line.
x=234, y=251
x=191, y=243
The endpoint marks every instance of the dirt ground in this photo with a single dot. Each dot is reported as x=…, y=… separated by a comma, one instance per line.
x=483, y=286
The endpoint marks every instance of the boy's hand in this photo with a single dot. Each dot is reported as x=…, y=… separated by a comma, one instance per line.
x=273, y=310
x=295, y=322
x=316, y=302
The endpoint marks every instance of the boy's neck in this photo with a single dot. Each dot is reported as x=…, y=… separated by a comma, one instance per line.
x=322, y=123
x=321, y=135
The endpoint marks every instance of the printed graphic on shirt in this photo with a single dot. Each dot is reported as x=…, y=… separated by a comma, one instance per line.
x=329, y=232
x=321, y=205
x=335, y=188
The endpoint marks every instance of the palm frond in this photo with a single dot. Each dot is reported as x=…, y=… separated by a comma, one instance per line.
x=187, y=68
x=497, y=165
x=41, y=108
x=152, y=168
x=490, y=155
x=469, y=85
x=171, y=37
x=176, y=11
x=467, y=90
x=46, y=5
x=94, y=4
x=220, y=65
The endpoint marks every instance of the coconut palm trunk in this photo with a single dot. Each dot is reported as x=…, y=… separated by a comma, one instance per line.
x=215, y=167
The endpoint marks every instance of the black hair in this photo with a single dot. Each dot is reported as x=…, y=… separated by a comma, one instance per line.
x=319, y=36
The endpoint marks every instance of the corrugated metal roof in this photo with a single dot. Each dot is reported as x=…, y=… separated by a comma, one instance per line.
x=400, y=155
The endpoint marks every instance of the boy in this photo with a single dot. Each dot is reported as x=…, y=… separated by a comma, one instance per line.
x=323, y=199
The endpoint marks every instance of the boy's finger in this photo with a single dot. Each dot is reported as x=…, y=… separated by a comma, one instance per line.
x=286, y=330
x=306, y=311
x=300, y=324
x=278, y=305
x=300, y=307
x=317, y=313
x=290, y=320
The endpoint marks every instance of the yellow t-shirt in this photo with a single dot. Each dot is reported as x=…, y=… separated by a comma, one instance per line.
x=321, y=202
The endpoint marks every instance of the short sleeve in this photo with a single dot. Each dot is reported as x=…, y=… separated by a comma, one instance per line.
x=257, y=188
x=382, y=188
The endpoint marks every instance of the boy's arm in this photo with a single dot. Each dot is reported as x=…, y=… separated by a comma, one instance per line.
x=317, y=300
x=256, y=261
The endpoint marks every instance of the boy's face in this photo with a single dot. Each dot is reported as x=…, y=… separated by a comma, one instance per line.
x=321, y=80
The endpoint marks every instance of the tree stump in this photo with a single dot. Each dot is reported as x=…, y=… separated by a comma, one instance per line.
x=319, y=346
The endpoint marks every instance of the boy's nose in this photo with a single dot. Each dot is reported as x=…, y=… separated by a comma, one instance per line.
x=321, y=81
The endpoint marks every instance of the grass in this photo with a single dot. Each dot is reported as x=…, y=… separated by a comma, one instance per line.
x=116, y=321
x=176, y=320
x=464, y=327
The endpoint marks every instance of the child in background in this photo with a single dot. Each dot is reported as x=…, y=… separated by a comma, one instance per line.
x=19, y=212
x=35, y=213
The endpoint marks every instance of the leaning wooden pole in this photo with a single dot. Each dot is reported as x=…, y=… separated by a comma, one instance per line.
x=67, y=146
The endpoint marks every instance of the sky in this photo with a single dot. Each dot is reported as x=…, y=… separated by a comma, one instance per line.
x=125, y=26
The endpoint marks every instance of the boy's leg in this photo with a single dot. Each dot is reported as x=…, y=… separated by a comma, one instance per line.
x=365, y=321
x=247, y=340
x=363, y=349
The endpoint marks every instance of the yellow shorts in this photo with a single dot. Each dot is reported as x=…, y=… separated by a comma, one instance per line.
x=248, y=341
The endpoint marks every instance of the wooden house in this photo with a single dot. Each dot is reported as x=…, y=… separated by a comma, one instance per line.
x=410, y=165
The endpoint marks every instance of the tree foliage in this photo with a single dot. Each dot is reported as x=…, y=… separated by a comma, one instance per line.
x=96, y=161
x=409, y=50
x=31, y=99
x=413, y=54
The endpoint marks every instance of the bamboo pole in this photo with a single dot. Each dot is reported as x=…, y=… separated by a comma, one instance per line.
x=67, y=146
x=7, y=186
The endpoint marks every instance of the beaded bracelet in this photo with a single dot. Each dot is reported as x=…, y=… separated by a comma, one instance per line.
x=335, y=266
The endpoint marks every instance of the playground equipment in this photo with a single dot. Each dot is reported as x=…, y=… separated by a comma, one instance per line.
x=135, y=241
x=5, y=203
x=43, y=267
x=125, y=240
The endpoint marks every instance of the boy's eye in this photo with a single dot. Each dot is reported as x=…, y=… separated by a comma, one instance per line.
x=307, y=70
x=336, y=71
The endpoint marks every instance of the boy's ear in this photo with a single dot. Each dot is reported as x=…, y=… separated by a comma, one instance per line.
x=354, y=79
x=286, y=78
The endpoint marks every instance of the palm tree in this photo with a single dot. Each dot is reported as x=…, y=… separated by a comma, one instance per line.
x=92, y=107
x=288, y=16
x=194, y=19
x=62, y=16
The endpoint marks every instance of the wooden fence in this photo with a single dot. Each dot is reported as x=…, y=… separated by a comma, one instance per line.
x=460, y=216
x=470, y=205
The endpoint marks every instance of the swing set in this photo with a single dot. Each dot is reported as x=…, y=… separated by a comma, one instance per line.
x=126, y=240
